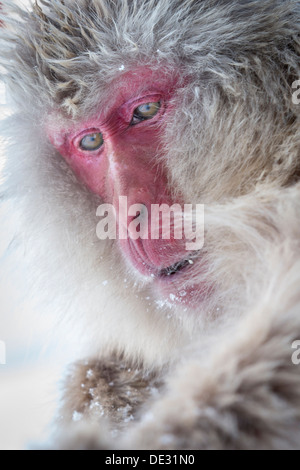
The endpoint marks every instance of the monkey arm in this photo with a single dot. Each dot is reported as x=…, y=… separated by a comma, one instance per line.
x=244, y=396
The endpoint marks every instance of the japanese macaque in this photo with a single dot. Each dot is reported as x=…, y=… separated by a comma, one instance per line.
x=169, y=102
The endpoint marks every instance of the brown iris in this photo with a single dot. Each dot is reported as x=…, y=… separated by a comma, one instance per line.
x=145, y=111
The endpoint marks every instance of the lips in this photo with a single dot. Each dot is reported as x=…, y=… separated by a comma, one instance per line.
x=172, y=282
x=145, y=264
x=175, y=268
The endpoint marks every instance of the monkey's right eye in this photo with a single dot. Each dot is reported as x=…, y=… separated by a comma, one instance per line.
x=91, y=142
x=145, y=112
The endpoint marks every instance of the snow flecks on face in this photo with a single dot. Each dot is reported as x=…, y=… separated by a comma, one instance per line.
x=161, y=304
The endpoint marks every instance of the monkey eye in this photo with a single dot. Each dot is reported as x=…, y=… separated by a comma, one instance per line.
x=145, y=111
x=91, y=142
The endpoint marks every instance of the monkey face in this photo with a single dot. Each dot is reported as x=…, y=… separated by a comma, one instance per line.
x=118, y=153
x=189, y=118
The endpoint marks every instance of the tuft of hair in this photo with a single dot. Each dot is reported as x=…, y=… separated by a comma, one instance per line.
x=54, y=50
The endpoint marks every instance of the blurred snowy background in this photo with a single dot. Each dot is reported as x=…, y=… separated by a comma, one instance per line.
x=30, y=380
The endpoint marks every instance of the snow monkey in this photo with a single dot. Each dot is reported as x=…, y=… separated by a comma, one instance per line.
x=161, y=104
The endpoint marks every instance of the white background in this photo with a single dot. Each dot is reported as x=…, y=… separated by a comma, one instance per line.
x=36, y=356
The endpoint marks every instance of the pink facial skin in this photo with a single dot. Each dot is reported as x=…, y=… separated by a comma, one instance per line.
x=127, y=165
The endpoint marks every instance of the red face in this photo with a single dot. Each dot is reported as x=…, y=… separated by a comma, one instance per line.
x=117, y=153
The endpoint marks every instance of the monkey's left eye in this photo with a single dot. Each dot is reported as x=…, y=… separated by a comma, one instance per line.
x=145, y=111
x=91, y=142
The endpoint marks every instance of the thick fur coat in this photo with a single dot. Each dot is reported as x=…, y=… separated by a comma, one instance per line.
x=164, y=376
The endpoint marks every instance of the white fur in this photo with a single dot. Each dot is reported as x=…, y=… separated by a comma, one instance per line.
x=233, y=144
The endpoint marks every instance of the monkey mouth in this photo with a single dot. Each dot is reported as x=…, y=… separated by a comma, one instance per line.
x=175, y=268
x=146, y=264
x=174, y=282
